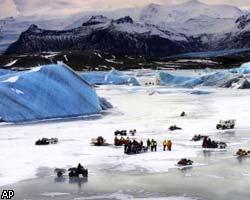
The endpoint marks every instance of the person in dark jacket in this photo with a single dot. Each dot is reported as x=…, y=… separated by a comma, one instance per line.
x=148, y=143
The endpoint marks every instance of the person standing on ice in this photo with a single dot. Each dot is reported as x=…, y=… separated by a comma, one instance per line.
x=148, y=143
x=153, y=145
x=169, y=145
x=164, y=145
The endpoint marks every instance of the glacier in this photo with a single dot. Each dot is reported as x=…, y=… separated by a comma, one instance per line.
x=46, y=92
x=113, y=77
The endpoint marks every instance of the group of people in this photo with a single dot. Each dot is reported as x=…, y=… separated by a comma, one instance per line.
x=208, y=143
x=134, y=147
x=168, y=144
x=152, y=144
x=121, y=141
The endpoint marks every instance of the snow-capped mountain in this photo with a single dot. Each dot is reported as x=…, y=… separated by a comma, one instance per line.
x=192, y=17
x=152, y=30
x=101, y=33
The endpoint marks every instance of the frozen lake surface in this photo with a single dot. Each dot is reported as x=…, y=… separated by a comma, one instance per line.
x=112, y=174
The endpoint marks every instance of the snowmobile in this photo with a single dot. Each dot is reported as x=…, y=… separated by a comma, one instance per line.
x=59, y=172
x=185, y=162
x=211, y=144
x=197, y=137
x=53, y=141
x=242, y=153
x=79, y=170
x=226, y=124
x=121, y=133
x=221, y=145
x=46, y=141
x=132, y=132
x=174, y=127
x=99, y=141
x=135, y=148
x=75, y=172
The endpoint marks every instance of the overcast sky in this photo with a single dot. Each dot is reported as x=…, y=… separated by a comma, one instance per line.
x=65, y=7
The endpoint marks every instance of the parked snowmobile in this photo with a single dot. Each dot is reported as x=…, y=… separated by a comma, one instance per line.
x=185, y=162
x=211, y=144
x=46, y=141
x=79, y=170
x=121, y=133
x=99, y=141
x=242, y=153
x=134, y=148
x=59, y=172
x=132, y=132
x=197, y=137
x=174, y=127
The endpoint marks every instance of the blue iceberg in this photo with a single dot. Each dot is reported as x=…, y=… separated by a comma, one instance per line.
x=243, y=69
x=213, y=79
x=45, y=92
x=5, y=71
x=216, y=78
x=181, y=81
x=114, y=77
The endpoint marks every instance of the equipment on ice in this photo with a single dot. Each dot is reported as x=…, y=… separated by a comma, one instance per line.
x=185, y=162
x=183, y=114
x=226, y=124
x=79, y=170
x=198, y=137
x=242, y=153
x=99, y=141
x=121, y=133
x=59, y=172
x=174, y=127
x=134, y=148
x=124, y=132
x=211, y=144
x=46, y=141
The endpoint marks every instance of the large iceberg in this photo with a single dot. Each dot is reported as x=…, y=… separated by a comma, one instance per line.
x=45, y=92
x=243, y=69
x=114, y=77
x=181, y=81
x=216, y=78
x=220, y=79
x=5, y=71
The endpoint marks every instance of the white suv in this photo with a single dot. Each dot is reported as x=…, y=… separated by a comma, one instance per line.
x=226, y=124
